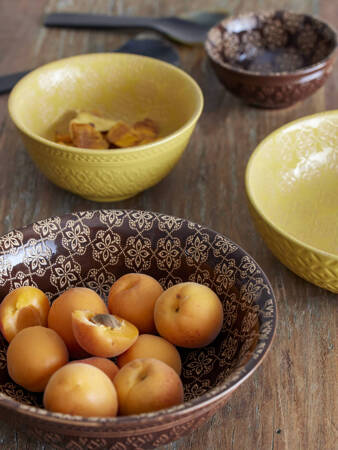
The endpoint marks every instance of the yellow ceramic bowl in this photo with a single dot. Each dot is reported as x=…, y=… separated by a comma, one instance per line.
x=292, y=187
x=125, y=86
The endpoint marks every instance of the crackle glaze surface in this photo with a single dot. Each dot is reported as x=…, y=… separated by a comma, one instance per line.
x=125, y=87
x=292, y=184
x=272, y=59
x=94, y=248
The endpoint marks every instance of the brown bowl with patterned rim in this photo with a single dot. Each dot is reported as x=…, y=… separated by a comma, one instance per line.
x=272, y=59
x=94, y=248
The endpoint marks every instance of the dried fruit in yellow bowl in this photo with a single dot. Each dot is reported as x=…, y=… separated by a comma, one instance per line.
x=95, y=131
x=122, y=135
x=84, y=135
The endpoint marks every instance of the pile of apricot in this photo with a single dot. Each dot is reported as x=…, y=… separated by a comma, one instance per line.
x=79, y=326
x=97, y=131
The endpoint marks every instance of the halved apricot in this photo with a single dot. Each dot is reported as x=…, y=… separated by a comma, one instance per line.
x=103, y=334
x=60, y=315
x=24, y=307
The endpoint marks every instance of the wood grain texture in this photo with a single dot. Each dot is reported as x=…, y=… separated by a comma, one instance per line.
x=291, y=400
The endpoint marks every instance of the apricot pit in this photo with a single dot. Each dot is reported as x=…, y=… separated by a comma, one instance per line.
x=103, y=335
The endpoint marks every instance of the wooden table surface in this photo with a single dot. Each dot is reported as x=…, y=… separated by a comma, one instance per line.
x=291, y=400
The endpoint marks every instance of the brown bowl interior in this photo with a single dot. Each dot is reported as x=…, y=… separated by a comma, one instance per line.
x=94, y=248
x=271, y=42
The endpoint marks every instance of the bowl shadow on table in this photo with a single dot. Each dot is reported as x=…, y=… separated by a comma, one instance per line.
x=210, y=374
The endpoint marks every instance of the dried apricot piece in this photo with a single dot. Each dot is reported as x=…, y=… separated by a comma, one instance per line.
x=122, y=135
x=146, y=128
x=146, y=140
x=94, y=130
x=61, y=126
x=116, y=131
x=63, y=139
x=100, y=122
x=86, y=136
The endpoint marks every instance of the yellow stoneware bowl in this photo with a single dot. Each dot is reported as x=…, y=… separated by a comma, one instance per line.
x=292, y=187
x=125, y=86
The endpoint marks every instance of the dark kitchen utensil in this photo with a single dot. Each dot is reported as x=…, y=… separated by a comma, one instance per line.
x=191, y=30
x=156, y=48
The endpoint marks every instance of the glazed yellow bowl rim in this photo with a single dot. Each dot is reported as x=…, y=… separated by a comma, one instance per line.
x=92, y=152
x=254, y=203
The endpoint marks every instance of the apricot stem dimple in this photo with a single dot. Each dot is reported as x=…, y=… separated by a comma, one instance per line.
x=108, y=320
x=142, y=376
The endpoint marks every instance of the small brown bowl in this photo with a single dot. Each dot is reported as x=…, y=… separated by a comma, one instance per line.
x=94, y=248
x=272, y=59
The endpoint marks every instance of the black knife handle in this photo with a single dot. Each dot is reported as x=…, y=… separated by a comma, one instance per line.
x=97, y=21
x=156, y=48
x=7, y=82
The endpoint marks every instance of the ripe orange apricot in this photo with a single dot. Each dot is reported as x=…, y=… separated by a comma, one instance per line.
x=81, y=389
x=150, y=346
x=33, y=355
x=189, y=315
x=106, y=365
x=60, y=314
x=23, y=307
x=146, y=385
x=103, y=334
x=133, y=297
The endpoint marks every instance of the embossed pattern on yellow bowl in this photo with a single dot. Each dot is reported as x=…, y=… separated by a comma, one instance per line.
x=292, y=187
x=126, y=86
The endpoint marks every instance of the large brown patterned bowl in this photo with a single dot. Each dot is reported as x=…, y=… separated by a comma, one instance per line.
x=94, y=248
x=272, y=59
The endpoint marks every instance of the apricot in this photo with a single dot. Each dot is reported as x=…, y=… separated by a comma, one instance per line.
x=149, y=346
x=122, y=135
x=86, y=136
x=146, y=128
x=23, y=307
x=133, y=297
x=60, y=315
x=106, y=365
x=145, y=385
x=63, y=139
x=95, y=118
x=103, y=334
x=33, y=355
x=188, y=315
x=81, y=389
